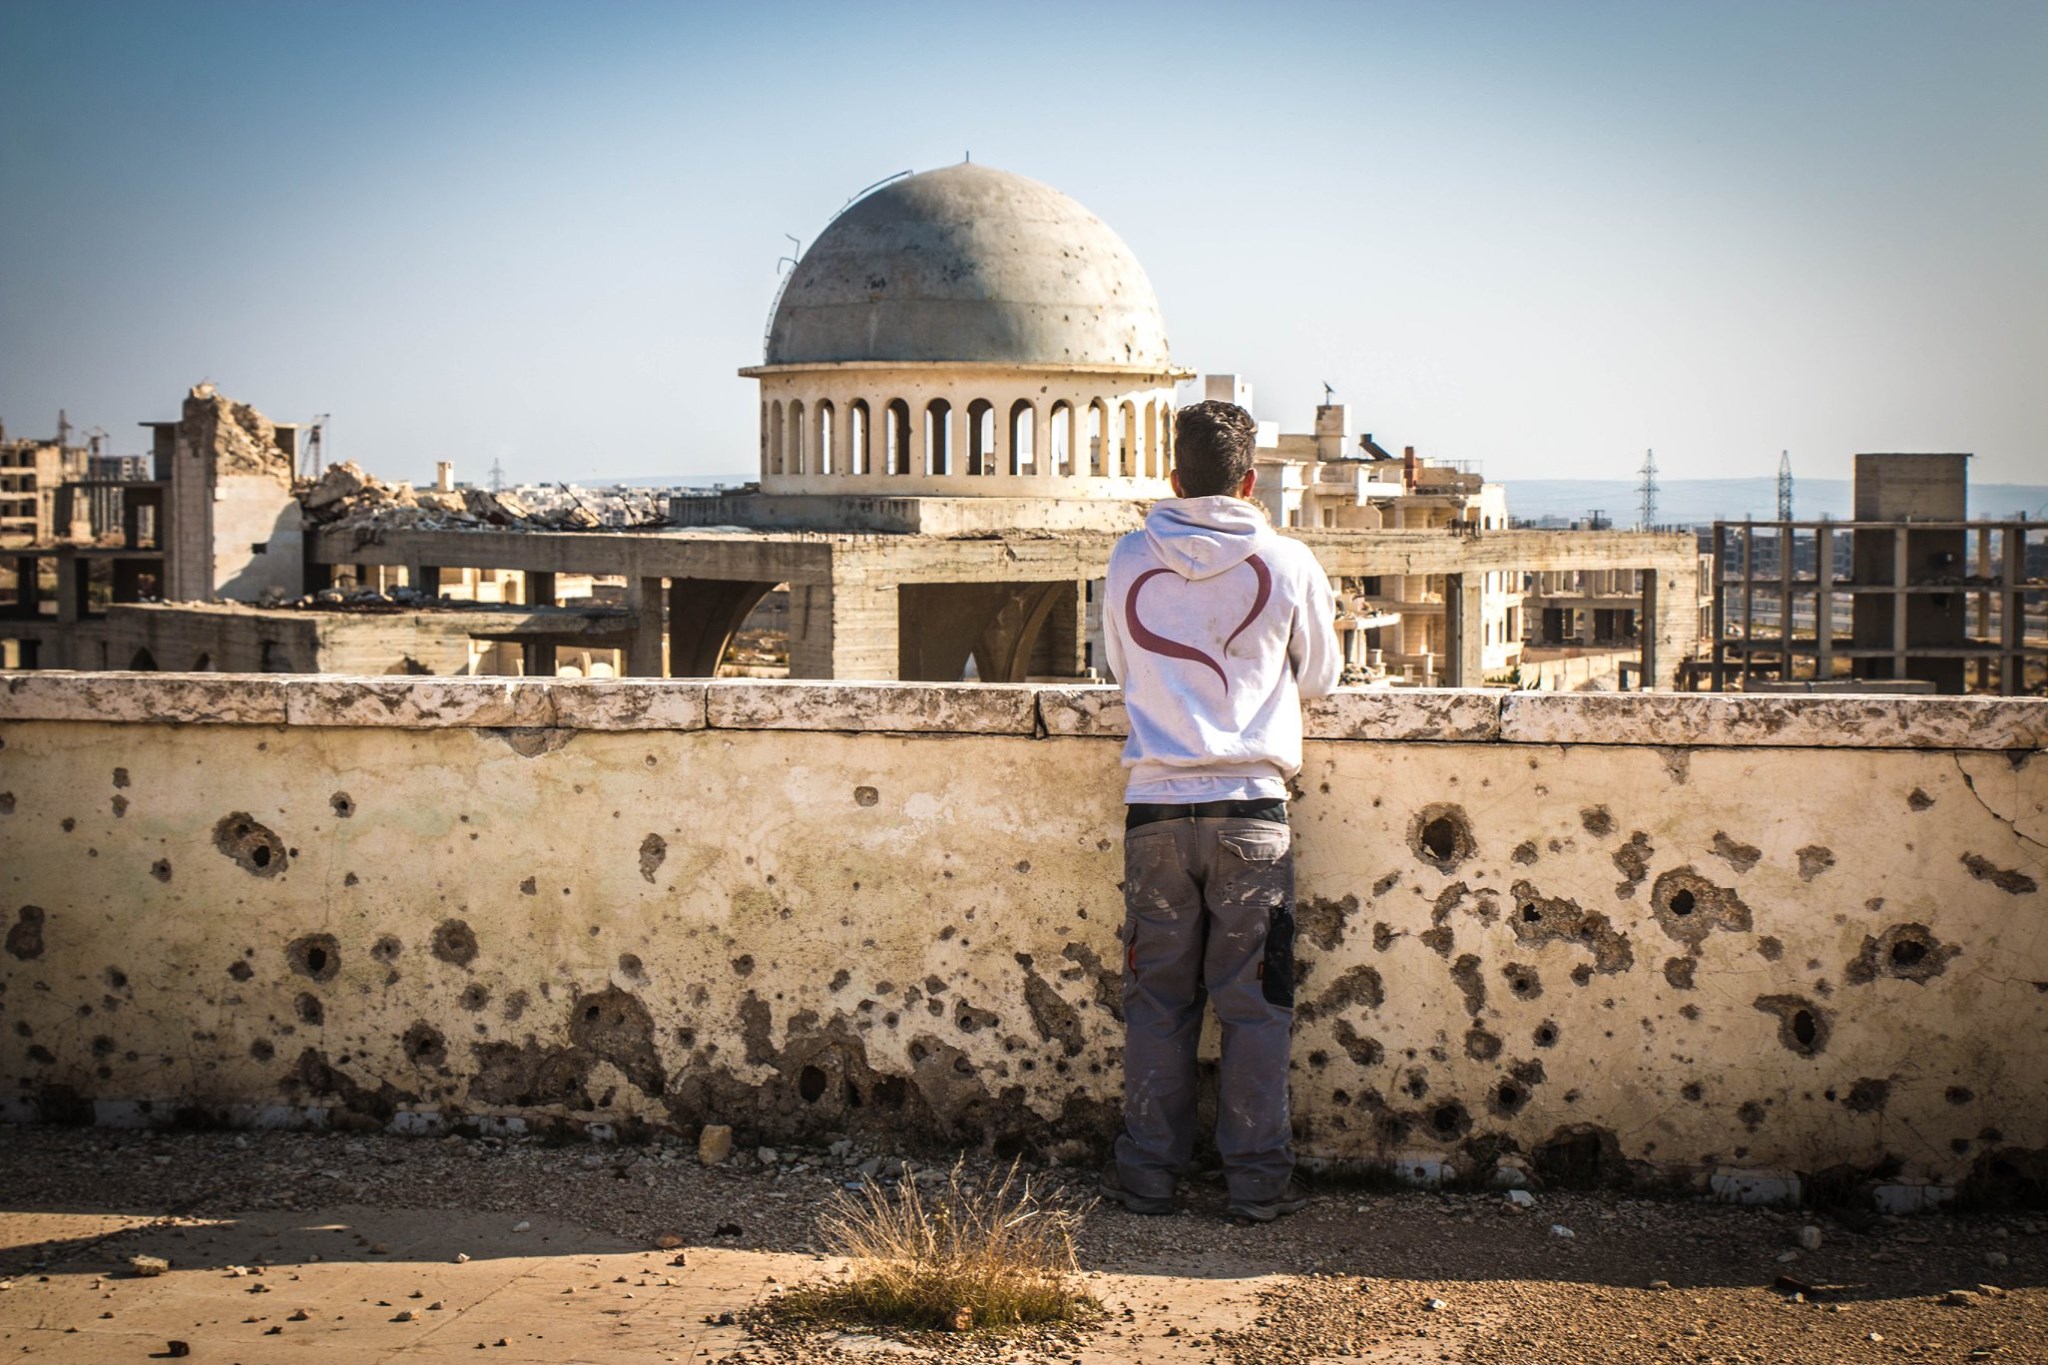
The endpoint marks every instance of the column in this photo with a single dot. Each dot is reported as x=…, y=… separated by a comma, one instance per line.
x=1464, y=661
x=647, y=655
x=1651, y=626
x=1823, y=603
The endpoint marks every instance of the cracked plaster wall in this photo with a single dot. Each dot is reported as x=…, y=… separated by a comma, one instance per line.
x=1806, y=937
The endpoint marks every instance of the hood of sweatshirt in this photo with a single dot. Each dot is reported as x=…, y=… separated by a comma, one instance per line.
x=1201, y=537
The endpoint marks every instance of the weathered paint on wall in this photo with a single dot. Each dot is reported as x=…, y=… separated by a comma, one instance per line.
x=1665, y=935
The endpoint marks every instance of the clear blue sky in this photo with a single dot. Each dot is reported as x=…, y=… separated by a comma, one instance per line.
x=1543, y=236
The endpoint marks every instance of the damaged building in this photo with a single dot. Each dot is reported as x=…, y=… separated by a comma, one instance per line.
x=966, y=396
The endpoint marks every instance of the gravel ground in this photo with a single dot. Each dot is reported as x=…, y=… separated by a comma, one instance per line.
x=1407, y=1276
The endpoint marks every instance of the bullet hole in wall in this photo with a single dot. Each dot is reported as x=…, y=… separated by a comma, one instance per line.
x=386, y=949
x=315, y=955
x=1509, y=1098
x=1441, y=835
x=343, y=805
x=1693, y=1091
x=262, y=1050
x=424, y=1045
x=1959, y=1094
x=454, y=942
x=1598, y=821
x=1918, y=799
x=2005, y=879
x=1450, y=1120
x=1523, y=981
x=1803, y=1027
x=25, y=938
x=309, y=1008
x=240, y=970
x=1751, y=1114
x=631, y=967
x=1905, y=952
x=865, y=796
x=251, y=845
x=653, y=849
x=474, y=996
x=810, y=1084
x=1480, y=1045
x=1545, y=1034
x=161, y=869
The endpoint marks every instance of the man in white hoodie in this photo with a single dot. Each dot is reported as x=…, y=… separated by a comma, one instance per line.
x=1217, y=628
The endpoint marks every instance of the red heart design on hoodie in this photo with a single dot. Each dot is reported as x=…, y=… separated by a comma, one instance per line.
x=1150, y=640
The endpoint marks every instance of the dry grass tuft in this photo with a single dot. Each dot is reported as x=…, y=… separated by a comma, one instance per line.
x=968, y=1255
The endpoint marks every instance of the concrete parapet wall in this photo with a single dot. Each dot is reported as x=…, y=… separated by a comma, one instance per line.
x=1664, y=935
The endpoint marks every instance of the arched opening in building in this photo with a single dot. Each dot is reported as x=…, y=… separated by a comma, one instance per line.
x=981, y=437
x=897, y=422
x=1098, y=436
x=775, y=438
x=1059, y=438
x=203, y=664
x=938, y=437
x=1130, y=452
x=275, y=660
x=796, y=438
x=1023, y=437
x=764, y=438
x=857, y=436
x=827, y=420
x=142, y=661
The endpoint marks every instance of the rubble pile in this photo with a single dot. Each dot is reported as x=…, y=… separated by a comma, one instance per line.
x=242, y=439
x=345, y=496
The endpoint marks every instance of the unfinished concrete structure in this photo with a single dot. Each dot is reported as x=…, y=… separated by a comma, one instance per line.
x=1559, y=934
x=1932, y=600
x=31, y=471
x=966, y=395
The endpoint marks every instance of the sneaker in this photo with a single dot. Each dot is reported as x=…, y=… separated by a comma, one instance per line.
x=1112, y=1188
x=1292, y=1199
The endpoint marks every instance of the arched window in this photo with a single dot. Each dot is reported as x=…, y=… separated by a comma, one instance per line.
x=764, y=438
x=1059, y=439
x=1131, y=451
x=796, y=438
x=142, y=661
x=1098, y=437
x=981, y=437
x=1023, y=437
x=898, y=434
x=938, y=437
x=857, y=436
x=827, y=420
x=203, y=664
x=775, y=438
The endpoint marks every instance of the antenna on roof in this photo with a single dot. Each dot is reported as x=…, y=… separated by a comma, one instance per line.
x=1328, y=393
x=1646, y=491
x=1784, y=485
x=968, y=155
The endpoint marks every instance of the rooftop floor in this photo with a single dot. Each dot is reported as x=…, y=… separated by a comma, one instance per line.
x=321, y=1245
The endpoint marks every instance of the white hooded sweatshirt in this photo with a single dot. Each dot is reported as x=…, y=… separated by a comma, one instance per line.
x=1217, y=628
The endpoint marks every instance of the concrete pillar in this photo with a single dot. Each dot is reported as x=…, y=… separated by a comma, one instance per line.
x=27, y=591
x=1823, y=605
x=1653, y=626
x=72, y=583
x=1464, y=656
x=853, y=630
x=647, y=655
x=542, y=658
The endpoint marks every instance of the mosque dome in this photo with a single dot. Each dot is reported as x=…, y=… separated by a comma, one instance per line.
x=969, y=265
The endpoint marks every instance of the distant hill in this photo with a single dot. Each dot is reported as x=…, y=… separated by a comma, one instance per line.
x=1689, y=502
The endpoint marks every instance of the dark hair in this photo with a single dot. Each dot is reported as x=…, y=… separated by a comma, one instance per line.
x=1212, y=447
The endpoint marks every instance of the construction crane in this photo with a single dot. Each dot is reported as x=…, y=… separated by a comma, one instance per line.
x=309, y=460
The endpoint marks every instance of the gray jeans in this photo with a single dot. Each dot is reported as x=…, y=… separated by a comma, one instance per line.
x=1208, y=914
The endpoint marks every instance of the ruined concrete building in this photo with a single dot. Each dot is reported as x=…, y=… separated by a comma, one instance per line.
x=966, y=395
